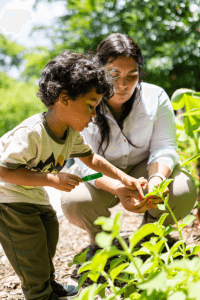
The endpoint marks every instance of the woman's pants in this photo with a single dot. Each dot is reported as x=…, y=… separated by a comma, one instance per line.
x=83, y=205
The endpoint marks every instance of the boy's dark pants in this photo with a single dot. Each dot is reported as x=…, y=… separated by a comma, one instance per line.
x=29, y=235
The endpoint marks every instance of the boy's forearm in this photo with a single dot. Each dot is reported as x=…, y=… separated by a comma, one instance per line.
x=100, y=164
x=24, y=177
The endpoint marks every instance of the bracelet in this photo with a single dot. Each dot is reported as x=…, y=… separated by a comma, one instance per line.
x=157, y=174
x=115, y=189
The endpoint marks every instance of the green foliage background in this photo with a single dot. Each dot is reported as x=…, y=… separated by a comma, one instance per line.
x=168, y=33
x=18, y=102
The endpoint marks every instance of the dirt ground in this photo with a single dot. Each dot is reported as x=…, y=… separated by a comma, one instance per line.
x=71, y=242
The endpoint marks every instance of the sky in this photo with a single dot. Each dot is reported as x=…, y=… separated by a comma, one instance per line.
x=17, y=17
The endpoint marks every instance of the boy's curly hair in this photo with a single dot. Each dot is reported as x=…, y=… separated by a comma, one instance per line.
x=77, y=74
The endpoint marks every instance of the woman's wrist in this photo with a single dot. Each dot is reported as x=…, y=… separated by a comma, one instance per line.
x=157, y=175
x=115, y=189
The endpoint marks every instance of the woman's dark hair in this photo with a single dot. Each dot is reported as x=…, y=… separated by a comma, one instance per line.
x=76, y=73
x=114, y=45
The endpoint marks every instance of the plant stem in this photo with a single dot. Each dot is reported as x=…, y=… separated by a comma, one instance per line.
x=196, y=142
x=168, y=250
x=109, y=282
x=179, y=231
x=124, y=246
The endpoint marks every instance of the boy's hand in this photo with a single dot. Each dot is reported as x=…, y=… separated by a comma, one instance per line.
x=131, y=200
x=135, y=184
x=64, y=181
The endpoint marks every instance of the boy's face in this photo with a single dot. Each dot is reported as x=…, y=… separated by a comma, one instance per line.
x=79, y=112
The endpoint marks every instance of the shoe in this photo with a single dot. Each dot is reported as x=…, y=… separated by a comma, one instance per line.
x=62, y=290
x=53, y=297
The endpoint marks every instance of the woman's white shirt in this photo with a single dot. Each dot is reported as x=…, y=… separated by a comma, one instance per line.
x=150, y=127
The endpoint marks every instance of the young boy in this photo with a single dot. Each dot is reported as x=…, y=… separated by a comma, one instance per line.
x=32, y=154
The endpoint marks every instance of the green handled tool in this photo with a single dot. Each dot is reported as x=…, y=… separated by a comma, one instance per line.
x=93, y=176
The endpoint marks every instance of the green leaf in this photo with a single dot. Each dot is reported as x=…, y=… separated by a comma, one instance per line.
x=104, y=239
x=142, y=251
x=116, y=262
x=197, y=206
x=114, y=273
x=194, y=250
x=82, y=280
x=187, y=161
x=177, y=296
x=174, y=281
x=92, y=291
x=189, y=247
x=141, y=233
x=149, y=265
x=156, y=247
x=175, y=247
x=161, y=206
x=162, y=219
x=165, y=257
x=165, y=184
x=158, y=283
x=152, y=194
x=166, y=200
x=99, y=261
x=79, y=258
x=168, y=230
x=194, y=290
x=101, y=289
x=131, y=269
x=177, y=254
x=188, y=219
x=83, y=294
x=130, y=290
x=94, y=276
x=117, y=224
x=106, y=223
x=183, y=136
x=135, y=296
x=192, y=112
x=85, y=267
x=189, y=99
x=186, y=264
x=178, y=98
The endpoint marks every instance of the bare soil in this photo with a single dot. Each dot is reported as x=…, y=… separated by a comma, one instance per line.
x=71, y=241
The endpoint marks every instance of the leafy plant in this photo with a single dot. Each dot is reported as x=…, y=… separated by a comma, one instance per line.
x=188, y=129
x=159, y=277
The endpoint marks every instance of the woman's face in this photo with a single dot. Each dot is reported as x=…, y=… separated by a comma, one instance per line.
x=126, y=72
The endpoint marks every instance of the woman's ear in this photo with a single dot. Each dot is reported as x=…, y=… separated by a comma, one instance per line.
x=63, y=97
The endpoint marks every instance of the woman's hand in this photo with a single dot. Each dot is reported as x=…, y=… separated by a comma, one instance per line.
x=135, y=184
x=131, y=200
x=154, y=200
x=64, y=181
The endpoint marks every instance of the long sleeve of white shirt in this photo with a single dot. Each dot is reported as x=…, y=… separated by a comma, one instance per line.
x=150, y=127
x=163, y=142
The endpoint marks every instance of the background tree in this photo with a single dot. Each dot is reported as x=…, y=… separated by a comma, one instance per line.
x=168, y=33
x=18, y=98
x=10, y=54
x=18, y=102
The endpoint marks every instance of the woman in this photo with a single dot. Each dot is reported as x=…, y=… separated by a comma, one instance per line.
x=135, y=131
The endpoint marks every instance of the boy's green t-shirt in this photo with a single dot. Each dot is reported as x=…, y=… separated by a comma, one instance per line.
x=34, y=146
